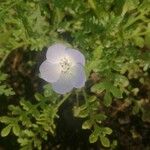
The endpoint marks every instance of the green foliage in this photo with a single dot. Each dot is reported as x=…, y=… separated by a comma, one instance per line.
x=17, y=21
x=110, y=89
x=114, y=37
x=93, y=121
x=32, y=123
x=4, y=88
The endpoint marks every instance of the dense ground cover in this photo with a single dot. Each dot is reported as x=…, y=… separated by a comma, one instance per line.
x=112, y=111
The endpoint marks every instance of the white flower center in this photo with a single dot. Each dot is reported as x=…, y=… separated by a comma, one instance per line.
x=65, y=64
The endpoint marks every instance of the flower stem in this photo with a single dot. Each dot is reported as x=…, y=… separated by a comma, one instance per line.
x=85, y=97
x=63, y=100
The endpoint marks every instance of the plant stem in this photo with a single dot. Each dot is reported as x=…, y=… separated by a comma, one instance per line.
x=133, y=21
x=63, y=100
x=139, y=34
x=8, y=52
x=4, y=58
x=85, y=97
x=77, y=97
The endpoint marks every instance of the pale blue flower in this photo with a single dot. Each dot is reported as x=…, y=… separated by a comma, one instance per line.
x=63, y=68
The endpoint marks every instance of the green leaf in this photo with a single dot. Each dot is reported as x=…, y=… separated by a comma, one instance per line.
x=29, y=133
x=129, y=5
x=83, y=114
x=100, y=87
x=81, y=111
x=92, y=4
x=39, y=97
x=23, y=141
x=118, y=6
x=6, y=131
x=98, y=52
x=6, y=119
x=87, y=124
x=105, y=141
x=116, y=92
x=47, y=90
x=107, y=99
x=92, y=99
x=93, y=138
x=107, y=130
x=16, y=129
x=139, y=41
x=100, y=117
x=121, y=80
x=8, y=91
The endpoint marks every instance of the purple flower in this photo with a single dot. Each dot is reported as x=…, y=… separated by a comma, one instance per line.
x=63, y=68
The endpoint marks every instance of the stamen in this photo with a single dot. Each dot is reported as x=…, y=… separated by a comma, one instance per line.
x=65, y=64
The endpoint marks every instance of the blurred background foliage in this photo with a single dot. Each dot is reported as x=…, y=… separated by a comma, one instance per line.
x=112, y=111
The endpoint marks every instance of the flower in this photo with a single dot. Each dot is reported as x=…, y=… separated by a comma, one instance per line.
x=63, y=68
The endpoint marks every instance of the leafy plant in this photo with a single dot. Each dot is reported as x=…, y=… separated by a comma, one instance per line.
x=114, y=37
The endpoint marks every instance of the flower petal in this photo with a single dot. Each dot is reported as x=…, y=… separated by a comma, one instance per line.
x=76, y=55
x=64, y=84
x=55, y=52
x=79, y=76
x=50, y=72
